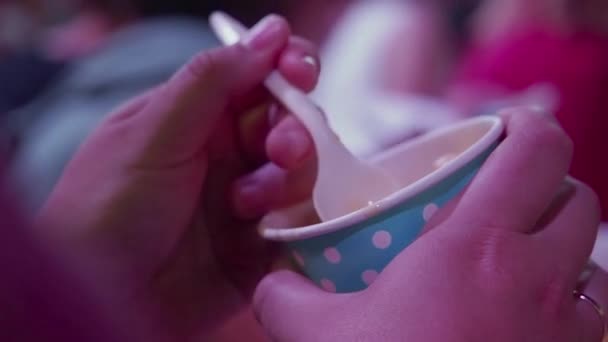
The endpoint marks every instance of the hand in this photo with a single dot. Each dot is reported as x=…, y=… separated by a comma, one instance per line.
x=500, y=263
x=148, y=198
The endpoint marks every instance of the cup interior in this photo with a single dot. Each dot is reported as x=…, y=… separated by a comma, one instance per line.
x=416, y=164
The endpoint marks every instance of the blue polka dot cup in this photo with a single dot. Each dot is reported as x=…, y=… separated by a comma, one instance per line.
x=348, y=253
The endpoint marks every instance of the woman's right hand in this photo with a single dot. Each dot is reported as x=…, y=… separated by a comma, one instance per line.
x=498, y=264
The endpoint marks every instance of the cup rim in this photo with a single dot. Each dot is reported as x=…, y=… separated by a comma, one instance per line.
x=404, y=194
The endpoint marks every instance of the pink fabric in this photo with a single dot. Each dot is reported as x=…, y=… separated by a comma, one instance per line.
x=577, y=65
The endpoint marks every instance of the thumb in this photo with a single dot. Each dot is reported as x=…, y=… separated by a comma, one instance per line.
x=181, y=114
x=288, y=305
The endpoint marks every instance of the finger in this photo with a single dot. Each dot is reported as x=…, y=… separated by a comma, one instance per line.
x=521, y=177
x=254, y=126
x=289, y=144
x=299, y=64
x=268, y=132
x=572, y=229
x=287, y=305
x=271, y=187
x=590, y=323
x=178, y=121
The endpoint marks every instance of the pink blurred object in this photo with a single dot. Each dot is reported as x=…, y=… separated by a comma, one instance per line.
x=576, y=65
x=79, y=37
x=242, y=327
x=41, y=299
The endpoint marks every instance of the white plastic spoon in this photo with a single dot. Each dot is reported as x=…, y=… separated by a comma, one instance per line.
x=344, y=183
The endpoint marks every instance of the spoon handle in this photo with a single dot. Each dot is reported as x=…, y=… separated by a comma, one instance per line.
x=230, y=31
x=307, y=112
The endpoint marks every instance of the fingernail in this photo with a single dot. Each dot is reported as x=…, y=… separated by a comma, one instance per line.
x=264, y=33
x=537, y=109
x=542, y=112
x=310, y=60
x=298, y=145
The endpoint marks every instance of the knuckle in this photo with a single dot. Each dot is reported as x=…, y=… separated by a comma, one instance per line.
x=202, y=64
x=210, y=62
x=490, y=247
x=492, y=252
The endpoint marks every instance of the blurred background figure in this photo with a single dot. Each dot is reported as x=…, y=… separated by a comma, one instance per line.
x=24, y=69
x=19, y=23
x=314, y=19
x=558, y=46
x=102, y=54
